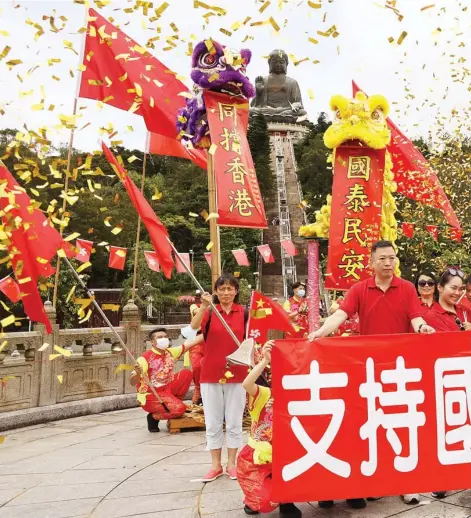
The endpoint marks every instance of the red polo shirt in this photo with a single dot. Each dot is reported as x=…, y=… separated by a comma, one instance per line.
x=383, y=312
x=465, y=303
x=443, y=320
x=219, y=344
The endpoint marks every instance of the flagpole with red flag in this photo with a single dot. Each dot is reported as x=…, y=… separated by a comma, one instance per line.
x=213, y=223
x=69, y=158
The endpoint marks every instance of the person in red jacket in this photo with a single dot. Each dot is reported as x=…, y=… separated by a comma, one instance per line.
x=221, y=386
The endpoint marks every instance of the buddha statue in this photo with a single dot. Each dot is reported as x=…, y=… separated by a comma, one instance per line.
x=278, y=97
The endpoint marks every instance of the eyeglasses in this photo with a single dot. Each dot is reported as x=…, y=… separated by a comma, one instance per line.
x=460, y=324
x=422, y=284
x=456, y=272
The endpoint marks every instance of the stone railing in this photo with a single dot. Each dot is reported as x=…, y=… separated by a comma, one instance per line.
x=30, y=378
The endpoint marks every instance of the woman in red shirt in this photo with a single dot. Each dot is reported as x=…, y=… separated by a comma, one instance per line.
x=221, y=386
x=448, y=315
x=426, y=286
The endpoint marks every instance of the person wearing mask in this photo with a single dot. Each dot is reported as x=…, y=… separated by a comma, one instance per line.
x=196, y=354
x=221, y=385
x=448, y=315
x=296, y=307
x=385, y=304
x=158, y=364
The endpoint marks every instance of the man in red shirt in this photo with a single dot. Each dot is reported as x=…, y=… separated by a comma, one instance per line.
x=385, y=304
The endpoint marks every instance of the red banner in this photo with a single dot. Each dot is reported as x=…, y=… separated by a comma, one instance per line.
x=371, y=415
x=289, y=248
x=355, y=220
x=152, y=261
x=408, y=229
x=117, y=257
x=239, y=200
x=241, y=257
x=433, y=231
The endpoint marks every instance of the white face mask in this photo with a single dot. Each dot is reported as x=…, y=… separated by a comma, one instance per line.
x=301, y=293
x=162, y=343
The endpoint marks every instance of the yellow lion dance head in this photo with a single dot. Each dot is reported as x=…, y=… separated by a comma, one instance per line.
x=362, y=118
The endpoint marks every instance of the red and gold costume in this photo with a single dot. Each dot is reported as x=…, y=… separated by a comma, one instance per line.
x=254, y=463
x=300, y=321
x=196, y=355
x=158, y=366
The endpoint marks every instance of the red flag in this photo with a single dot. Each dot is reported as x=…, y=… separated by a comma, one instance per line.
x=456, y=234
x=117, y=257
x=207, y=256
x=265, y=315
x=266, y=253
x=157, y=232
x=69, y=250
x=152, y=261
x=408, y=229
x=179, y=265
x=289, y=247
x=241, y=257
x=10, y=289
x=33, y=243
x=48, y=271
x=413, y=174
x=433, y=231
x=121, y=73
x=84, y=249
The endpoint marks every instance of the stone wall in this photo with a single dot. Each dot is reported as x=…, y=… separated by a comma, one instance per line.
x=31, y=378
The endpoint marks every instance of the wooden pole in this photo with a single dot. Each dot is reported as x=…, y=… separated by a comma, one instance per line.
x=64, y=202
x=138, y=232
x=213, y=225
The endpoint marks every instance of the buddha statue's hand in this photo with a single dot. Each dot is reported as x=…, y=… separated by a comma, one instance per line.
x=259, y=84
x=296, y=107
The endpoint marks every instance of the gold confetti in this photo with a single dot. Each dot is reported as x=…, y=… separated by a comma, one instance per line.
x=427, y=7
x=43, y=347
x=60, y=377
x=84, y=266
x=62, y=351
x=212, y=149
x=157, y=195
x=7, y=321
x=123, y=367
x=209, y=245
x=402, y=37
x=264, y=6
x=313, y=5
x=54, y=356
x=2, y=438
x=117, y=229
x=274, y=24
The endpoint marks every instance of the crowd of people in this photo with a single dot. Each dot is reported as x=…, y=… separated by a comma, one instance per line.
x=382, y=304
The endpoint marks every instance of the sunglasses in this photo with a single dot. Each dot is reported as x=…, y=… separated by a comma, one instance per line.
x=456, y=272
x=422, y=284
x=460, y=324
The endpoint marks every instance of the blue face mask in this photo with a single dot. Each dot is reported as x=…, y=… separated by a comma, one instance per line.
x=301, y=293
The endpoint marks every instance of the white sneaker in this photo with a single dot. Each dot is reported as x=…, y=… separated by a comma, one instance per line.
x=412, y=499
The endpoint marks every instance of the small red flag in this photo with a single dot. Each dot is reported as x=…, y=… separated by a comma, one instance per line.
x=33, y=243
x=152, y=261
x=157, y=232
x=69, y=250
x=179, y=265
x=265, y=314
x=413, y=174
x=241, y=257
x=10, y=289
x=408, y=229
x=456, y=234
x=289, y=247
x=207, y=256
x=122, y=73
x=117, y=257
x=266, y=253
x=433, y=231
x=84, y=249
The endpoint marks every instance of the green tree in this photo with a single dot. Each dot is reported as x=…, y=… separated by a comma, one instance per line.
x=259, y=142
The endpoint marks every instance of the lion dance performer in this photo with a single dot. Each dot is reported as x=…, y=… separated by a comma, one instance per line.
x=361, y=119
x=158, y=364
x=254, y=463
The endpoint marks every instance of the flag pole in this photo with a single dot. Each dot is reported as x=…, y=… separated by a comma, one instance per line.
x=69, y=158
x=120, y=340
x=138, y=231
x=198, y=285
x=213, y=224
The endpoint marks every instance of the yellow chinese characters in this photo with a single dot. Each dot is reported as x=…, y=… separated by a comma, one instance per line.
x=359, y=167
x=352, y=263
x=241, y=201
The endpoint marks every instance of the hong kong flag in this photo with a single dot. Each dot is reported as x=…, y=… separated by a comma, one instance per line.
x=241, y=257
x=433, y=231
x=179, y=264
x=265, y=314
x=10, y=289
x=117, y=257
x=266, y=253
x=152, y=261
x=84, y=249
x=120, y=72
x=289, y=247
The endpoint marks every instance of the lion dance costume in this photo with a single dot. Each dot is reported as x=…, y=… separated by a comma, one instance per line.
x=362, y=120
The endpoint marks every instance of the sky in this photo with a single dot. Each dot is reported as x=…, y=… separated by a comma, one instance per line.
x=425, y=77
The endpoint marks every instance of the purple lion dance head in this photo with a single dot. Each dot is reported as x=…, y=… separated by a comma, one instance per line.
x=217, y=68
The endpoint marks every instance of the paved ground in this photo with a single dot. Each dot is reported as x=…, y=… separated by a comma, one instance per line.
x=109, y=466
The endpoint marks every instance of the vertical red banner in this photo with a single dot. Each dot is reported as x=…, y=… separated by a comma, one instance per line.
x=239, y=201
x=355, y=220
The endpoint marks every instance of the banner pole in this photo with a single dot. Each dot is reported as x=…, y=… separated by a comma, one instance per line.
x=120, y=340
x=138, y=231
x=313, y=284
x=213, y=224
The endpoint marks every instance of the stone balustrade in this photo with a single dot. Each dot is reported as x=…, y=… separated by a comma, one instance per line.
x=30, y=378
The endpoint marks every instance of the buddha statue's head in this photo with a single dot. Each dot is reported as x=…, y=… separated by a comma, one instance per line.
x=278, y=62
